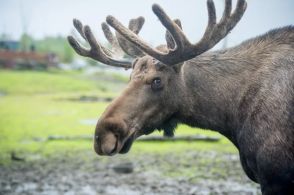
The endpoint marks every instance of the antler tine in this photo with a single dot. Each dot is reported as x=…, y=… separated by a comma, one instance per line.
x=179, y=23
x=178, y=35
x=211, y=17
x=112, y=39
x=119, y=43
x=77, y=47
x=228, y=9
x=79, y=26
x=96, y=51
x=238, y=13
x=214, y=33
x=136, y=24
x=169, y=38
x=184, y=50
x=108, y=34
x=132, y=37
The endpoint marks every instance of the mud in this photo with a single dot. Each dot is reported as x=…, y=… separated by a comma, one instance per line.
x=86, y=174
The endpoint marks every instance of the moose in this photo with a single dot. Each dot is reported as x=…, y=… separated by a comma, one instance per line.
x=246, y=92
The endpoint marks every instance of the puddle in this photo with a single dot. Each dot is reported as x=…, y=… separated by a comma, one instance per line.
x=88, y=122
x=2, y=93
x=88, y=190
x=85, y=98
x=114, y=190
x=24, y=187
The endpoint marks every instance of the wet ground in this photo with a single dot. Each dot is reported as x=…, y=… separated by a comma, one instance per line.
x=190, y=172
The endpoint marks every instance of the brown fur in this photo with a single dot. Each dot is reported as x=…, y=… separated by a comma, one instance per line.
x=246, y=93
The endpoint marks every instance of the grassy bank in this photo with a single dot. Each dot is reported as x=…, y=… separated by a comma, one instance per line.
x=35, y=105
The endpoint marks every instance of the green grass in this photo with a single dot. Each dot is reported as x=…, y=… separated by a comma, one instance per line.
x=36, y=106
x=28, y=83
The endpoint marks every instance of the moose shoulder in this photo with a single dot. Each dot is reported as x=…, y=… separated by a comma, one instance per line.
x=246, y=92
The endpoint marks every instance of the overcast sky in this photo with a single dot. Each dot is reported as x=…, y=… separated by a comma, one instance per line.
x=54, y=17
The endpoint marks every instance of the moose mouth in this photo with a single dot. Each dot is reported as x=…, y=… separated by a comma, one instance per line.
x=111, y=144
x=115, y=146
x=168, y=128
x=126, y=146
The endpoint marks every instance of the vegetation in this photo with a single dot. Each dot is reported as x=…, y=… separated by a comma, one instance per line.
x=35, y=105
x=57, y=45
x=50, y=44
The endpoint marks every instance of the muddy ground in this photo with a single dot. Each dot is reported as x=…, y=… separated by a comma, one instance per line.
x=190, y=172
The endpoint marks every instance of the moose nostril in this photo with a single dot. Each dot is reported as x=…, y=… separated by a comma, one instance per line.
x=107, y=144
x=113, y=150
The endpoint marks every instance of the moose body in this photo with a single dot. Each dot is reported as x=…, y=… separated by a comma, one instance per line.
x=246, y=92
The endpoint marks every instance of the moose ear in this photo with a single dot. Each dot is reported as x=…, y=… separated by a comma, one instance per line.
x=134, y=63
x=177, y=67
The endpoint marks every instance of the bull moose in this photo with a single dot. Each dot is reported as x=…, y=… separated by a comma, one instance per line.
x=246, y=92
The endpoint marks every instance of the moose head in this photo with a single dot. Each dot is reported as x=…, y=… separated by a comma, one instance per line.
x=153, y=98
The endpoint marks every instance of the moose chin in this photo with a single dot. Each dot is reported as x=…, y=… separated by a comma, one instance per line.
x=245, y=92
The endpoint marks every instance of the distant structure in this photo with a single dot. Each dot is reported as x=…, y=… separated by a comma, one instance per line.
x=12, y=58
x=9, y=45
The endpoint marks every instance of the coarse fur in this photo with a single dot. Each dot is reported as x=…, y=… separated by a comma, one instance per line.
x=245, y=92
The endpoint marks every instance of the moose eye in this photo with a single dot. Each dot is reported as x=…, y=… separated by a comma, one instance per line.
x=156, y=84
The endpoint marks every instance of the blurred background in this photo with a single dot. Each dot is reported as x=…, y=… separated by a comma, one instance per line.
x=50, y=100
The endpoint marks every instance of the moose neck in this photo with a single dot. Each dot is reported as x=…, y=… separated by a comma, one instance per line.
x=212, y=85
